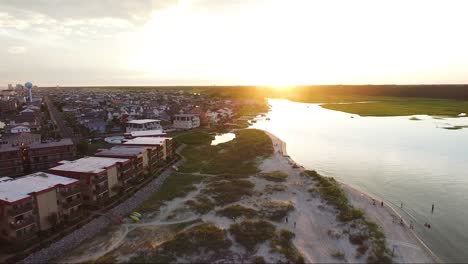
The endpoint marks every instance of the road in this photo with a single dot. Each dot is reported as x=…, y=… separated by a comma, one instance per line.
x=56, y=116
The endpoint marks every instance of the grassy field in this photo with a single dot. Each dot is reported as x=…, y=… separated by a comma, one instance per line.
x=398, y=106
x=238, y=156
x=175, y=186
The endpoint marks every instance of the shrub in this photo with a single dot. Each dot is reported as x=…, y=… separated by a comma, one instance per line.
x=282, y=243
x=251, y=233
x=358, y=239
x=235, y=211
x=274, y=176
x=338, y=255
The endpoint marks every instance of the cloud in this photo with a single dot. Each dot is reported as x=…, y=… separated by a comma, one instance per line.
x=17, y=50
x=134, y=11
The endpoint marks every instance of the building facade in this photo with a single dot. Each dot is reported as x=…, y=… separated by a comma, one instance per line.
x=143, y=125
x=22, y=158
x=186, y=121
x=36, y=202
x=100, y=177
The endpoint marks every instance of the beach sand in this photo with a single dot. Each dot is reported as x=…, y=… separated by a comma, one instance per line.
x=408, y=247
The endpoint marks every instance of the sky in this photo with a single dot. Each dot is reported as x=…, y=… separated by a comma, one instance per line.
x=233, y=42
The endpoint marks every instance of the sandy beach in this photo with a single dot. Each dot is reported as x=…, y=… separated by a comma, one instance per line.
x=319, y=236
x=407, y=246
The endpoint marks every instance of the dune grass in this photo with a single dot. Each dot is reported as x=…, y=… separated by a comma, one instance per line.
x=239, y=156
x=330, y=191
x=177, y=185
x=235, y=211
x=226, y=192
x=200, y=239
x=282, y=243
x=251, y=233
x=274, y=176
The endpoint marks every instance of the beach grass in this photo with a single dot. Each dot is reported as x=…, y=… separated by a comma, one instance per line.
x=239, y=156
x=251, y=233
x=235, y=211
x=274, y=176
x=205, y=238
x=331, y=192
x=282, y=243
x=177, y=185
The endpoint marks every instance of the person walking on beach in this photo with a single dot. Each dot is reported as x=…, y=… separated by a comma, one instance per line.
x=432, y=211
x=286, y=219
x=373, y=201
x=294, y=224
x=402, y=205
x=381, y=204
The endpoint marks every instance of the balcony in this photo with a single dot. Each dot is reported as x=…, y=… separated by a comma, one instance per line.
x=69, y=193
x=99, y=191
x=21, y=210
x=125, y=176
x=72, y=204
x=23, y=223
x=100, y=179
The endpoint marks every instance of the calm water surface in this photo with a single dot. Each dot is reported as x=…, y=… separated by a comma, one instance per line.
x=222, y=138
x=400, y=160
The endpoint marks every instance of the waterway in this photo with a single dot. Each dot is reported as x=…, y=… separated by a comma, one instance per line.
x=414, y=161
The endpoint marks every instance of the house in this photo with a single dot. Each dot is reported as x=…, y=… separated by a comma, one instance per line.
x=100, y=178
x=186, y=121
x=20, y=129
x=36, y=202
x=142, y=125
x=95, y=125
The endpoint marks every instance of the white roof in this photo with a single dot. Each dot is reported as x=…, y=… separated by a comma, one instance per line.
x=143, y=121
x=146, y=141
x=88, y=164
x=19, y=188
x=147, y=133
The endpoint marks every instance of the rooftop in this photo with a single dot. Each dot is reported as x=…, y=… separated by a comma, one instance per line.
x=146, y=141
x=143, y=121
x=186, y=115
x=121, y=151
x=88, y=164
x=144, y=133
x=19, y=188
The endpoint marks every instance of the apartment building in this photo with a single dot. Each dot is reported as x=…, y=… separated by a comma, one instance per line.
x=143, y=125
x=163, y=143
x=27, y=157
x=36, y=202
x=100, y=177
x=186, y=121
x=137, y=155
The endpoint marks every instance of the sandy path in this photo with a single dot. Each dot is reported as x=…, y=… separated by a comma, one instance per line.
x=314, y=242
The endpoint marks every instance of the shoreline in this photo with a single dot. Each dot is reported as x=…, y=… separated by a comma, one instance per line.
x=349, y=189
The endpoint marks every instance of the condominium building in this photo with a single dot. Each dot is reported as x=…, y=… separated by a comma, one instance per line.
x=100, y=177
x=143, y=125
x=186, y=121
x=164, y=143
x=36, y=202
x=26, y=157
x=137, y=155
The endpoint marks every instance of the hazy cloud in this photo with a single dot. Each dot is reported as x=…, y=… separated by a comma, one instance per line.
x=17, y=50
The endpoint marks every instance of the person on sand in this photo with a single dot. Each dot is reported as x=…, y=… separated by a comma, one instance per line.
x=294, y=224
x=401, y=221
x=373, y=201
x=286, y=219
x=381, y=204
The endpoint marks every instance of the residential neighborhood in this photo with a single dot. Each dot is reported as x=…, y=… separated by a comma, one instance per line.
x=67, y=154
